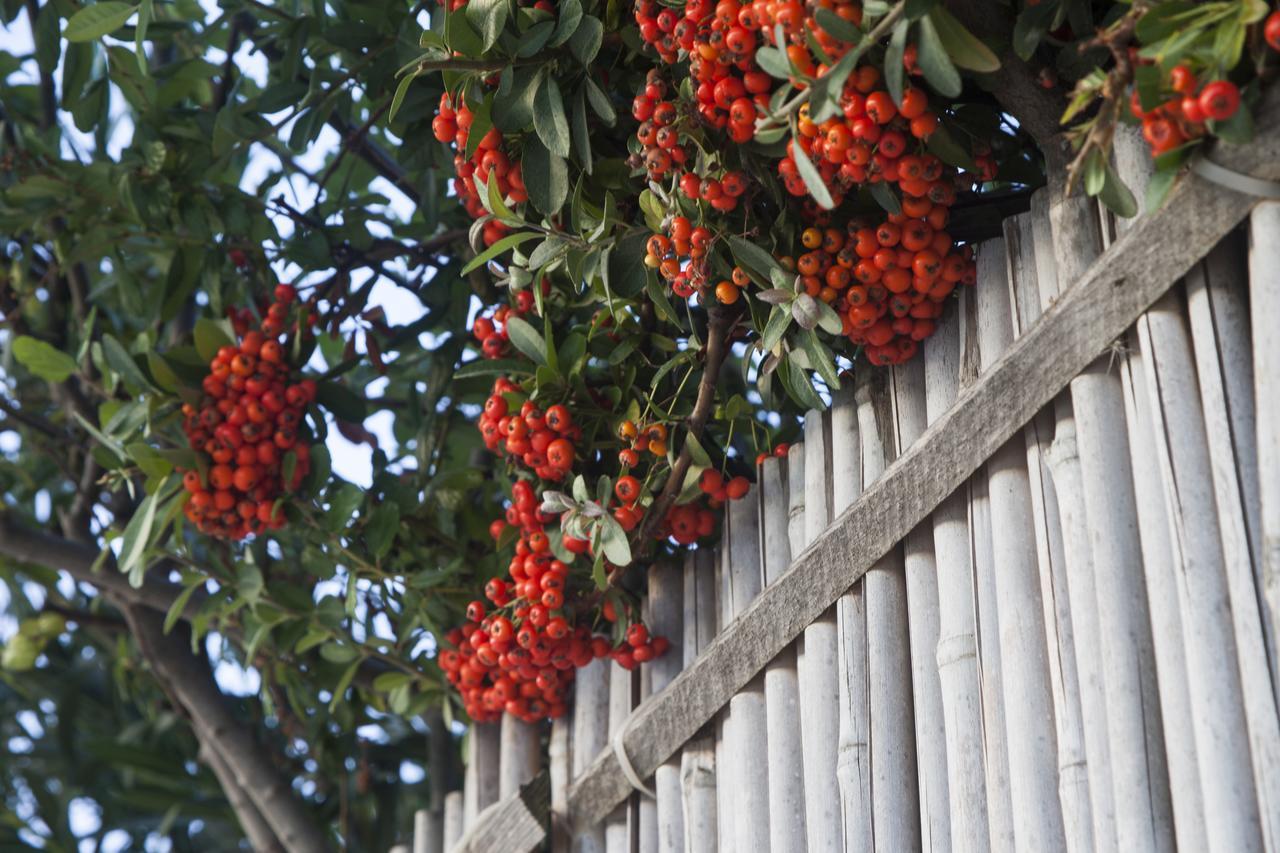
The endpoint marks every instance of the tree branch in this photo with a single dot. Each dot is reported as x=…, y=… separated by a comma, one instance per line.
x=260, y=836
x=721, y=323
x=190, y=679
x=380, y=160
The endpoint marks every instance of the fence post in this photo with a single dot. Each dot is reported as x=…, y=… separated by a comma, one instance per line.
x=559, y=775
x=698, y=758
x=746, y=745
x=843, y=476
x=910, y=417
x=817, y=672
x=1217, y=704
x=781, y=687
x=589, y=735
x=666, y=592
x=617, y=826
x=1028, y=701
x=895, y=796
x=453, y=819
x=1133, y=162
x=519, y=754
x=1264, y=307
x=1221, y=341
x=957, y=649
x=1066, y=574
x=481, y=781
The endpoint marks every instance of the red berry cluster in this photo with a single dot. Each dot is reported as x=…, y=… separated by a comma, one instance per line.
x=453, y=124
x=491, y=332
x=542, y=441
x=659, y=133
x=1182, y=117
x=521, y=657
x=248, y=426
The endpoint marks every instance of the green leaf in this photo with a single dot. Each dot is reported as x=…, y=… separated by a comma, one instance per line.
x=380, y=532
x=613, y=540
x=506, y=243
x=179, y=605
x=798, y=385
x=935, y=62
x=624, y=271
x=149, y=459
x=965, y=49
x=1033, y=24
x=1116, y=196
x=495, y=203
x=398, y=98
x=821, y=358
x=894, y=72
x=812, y=178
x=944, y=146
x=754, y=259
x=343, y=502
x=123, y=363
x=490, y=367
x=837, y=27
x=1095, y=172
x=98, y=20
x=345, y=404
x=527, y=339
x=661, y=303
x=42, y=359
x=777, y=325
x=569, y=16
x=1158, y=188
x=586, y=41
x=340, y=689
x=162, y=372
x=581, y=133
x=210, y=335
x=488, y=18
x=549, y=118
x=774, y=62
x=546, y=177
x=146, y=11
x=600, y=102
x=137, y=537
x=886, y=197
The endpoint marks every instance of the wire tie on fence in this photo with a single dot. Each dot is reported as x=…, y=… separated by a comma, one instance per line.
x=1241, y=183
x=628, y=770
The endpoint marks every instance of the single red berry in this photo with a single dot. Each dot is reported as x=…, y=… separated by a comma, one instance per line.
x=1219, y=100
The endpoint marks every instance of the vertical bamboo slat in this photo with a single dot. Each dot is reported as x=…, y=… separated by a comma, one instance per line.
x=957, y=650
x=995, y=745
x=1028, y=240
x=781, y=685
x=427, y=829
x=816, y=669
x=1221, y=343
x=481, y=785
x=895, y=800
x=617, y=826
x=1264, y=308
x=519, y=754
x=453, y=819
x=1217, y=704
x=853, y=762
x=910, y=417
x=589, y=735
x=559, y=770
x=666, y=593
x=645, y=808
x=746, y=735
x=698, y=758
x=1028, y=701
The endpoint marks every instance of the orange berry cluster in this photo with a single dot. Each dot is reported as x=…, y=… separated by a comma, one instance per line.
x=521, y=657
x=542, y=441
x=248, y=426
x=491, y=332
x=453, y=124
x=1182, y=117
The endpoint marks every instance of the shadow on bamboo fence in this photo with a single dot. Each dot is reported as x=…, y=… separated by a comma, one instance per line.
x=1019, y=594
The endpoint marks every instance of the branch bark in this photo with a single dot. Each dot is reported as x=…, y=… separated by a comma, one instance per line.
x=260, y=836
x=189, y=679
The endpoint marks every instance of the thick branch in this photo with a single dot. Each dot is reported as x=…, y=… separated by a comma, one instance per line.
x=190, y=679
x=721, y=322
x=380, y=160
x=1014, y=85
x=260, y=836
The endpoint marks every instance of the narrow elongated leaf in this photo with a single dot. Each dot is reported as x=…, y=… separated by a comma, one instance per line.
x=600, y=102
x=42, y=359
x=549, y=118
x=964, y=48
x=936, y=62
x=96, y=21
x=812, y=179
x=894, y=72
x=209, y=336
x=546, y=177
x=506, y=243
x=586, y=40
x=487, y=17
x=527, y=339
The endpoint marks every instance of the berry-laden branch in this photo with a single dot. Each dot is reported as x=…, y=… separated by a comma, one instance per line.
x=722, y=320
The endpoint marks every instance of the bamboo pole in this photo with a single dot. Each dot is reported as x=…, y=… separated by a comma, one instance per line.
x=453, y=819
x=1133, y=163
x=910, y=417
x=1264, y=299
x=895, y=794
x=1065, y=564
x=994, y=736
x=1028, y=700
x=698, y=758
x=645, y=808
x=957, y=649
x=1217, y=702
x=746, y=738
x=559, y=773
x=1220, y=335
x=590, y=733
x=853, y=761
x=817, y=672
x=666, y=591
x=781, y=684
x=617, y=826
x=427, y=829
x=725, y=768
x=482, y=781
x=1142, y=807
x=519, y=754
